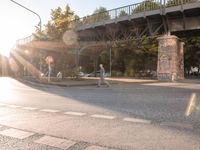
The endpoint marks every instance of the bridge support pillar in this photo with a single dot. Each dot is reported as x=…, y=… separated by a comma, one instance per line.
x=170, y=58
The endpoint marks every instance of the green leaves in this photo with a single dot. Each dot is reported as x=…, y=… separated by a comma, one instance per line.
x=146, y=6
x=192, y=52
x=61, y=21
x=98, y=15
x=39, y=35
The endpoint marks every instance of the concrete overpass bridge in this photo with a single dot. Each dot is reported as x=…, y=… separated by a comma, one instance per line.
x=153, y=17
x=165, y=18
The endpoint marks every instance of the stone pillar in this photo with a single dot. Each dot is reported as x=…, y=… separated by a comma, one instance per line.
x=170, y=58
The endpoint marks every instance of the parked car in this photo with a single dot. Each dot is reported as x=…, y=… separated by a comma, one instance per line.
x=81, y=74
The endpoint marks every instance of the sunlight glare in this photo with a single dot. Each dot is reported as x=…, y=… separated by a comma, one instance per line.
x=5, y=88
x=16, y=23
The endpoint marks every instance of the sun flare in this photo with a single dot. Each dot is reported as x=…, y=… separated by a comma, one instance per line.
x=5, y=49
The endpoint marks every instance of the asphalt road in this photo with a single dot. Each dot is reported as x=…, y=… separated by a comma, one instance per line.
x=124, y=116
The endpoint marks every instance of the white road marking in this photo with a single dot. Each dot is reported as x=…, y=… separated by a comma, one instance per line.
x=177, y=124
x=136, y=120
x=74, y=113
x=50, y=110
x=103, y=116
x=96, y=148
x=16, y=133
x=55, y=142
x=30, y=108
x=2, y=104
x=13, y=106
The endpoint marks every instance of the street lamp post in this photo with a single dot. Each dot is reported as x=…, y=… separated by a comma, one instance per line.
x=40, y=23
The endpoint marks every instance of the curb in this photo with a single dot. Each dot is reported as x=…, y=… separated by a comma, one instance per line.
x=54, y=84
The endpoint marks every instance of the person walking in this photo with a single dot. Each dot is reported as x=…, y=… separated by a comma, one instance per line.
x=102, y=76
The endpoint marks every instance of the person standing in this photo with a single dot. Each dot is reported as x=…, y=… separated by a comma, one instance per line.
x=102, y=76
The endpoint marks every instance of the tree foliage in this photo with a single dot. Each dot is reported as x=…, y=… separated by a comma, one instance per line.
x=192, y=52
x=178, y=2
x=99, y=14
x=61, y=21
x=146, y=6
x=123, y=13
x=39, y=35
x=133, y=57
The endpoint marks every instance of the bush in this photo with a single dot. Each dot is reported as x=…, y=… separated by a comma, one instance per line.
x=72, y=73
x=117, y=74
x=130, y=72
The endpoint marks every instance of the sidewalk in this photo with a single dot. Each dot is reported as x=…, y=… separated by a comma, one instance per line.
x=84, y=81
x=64, y=83
x=92, y=81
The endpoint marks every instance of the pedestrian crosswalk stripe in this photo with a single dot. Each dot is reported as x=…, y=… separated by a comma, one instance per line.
x=136, y=120
x=49, y=110
x=16, y=133
x=96, y=148
x=29, y=108
x=55, y=142
x=75, y=113
x=13, y=106
x=2, y=104
x=103, y=116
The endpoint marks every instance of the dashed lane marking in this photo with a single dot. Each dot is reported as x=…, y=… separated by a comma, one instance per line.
x=135, y=120
x=50, y=110
x=75, y=113
x=55, y=142
x=30, y=108
x=16, y=133
x=103, y=116
x=96, y=148
x=13, y=106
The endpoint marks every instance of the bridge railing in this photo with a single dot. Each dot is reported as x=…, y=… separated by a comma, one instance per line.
x=171, y=3
x=119, y=12
x=129, y=10
x=25, y=40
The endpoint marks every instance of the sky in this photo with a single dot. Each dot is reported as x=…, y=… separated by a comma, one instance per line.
x=17, y=22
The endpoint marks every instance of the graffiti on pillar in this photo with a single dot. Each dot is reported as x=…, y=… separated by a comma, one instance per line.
x=166, y=45
x=181, y=68
x=164, y=66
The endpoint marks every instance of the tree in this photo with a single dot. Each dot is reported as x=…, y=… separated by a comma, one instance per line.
x=192, y=52
x=61, y=21
x=98, y=15
x=39, y=35
x=146, y=6
x=123, y=13
x=171, y=3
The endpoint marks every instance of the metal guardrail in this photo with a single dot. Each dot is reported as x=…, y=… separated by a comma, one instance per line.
x=25, y=40
x=129, y=10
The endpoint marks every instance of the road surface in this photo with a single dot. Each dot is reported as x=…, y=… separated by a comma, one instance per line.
x=125, y=116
